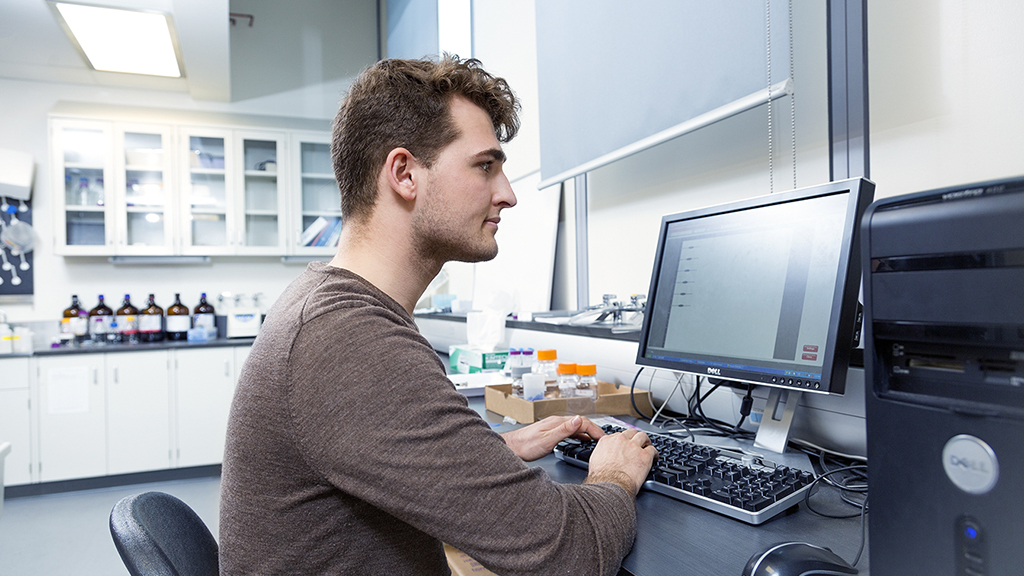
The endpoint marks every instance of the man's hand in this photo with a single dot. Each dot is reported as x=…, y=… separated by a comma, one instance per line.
x=539, y=439
x=624, y=458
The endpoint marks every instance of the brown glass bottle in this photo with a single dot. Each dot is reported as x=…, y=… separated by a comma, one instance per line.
x=74, y=321
x=203, y=315
x=151, y=322
x=100, y=318
x=128, y=321
x=178, y=320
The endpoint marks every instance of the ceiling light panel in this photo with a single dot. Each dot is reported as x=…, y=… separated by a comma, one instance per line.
x=115, y=40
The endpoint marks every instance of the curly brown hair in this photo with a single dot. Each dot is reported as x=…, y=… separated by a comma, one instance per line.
x=406, y=104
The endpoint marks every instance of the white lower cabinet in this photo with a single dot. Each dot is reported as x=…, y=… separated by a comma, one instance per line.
x=204, y=386
x=16, y=420
x=95, y=414
x=138, y=411
x=71, y=394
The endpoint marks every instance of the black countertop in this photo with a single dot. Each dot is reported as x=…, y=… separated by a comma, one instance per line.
x=142, y=346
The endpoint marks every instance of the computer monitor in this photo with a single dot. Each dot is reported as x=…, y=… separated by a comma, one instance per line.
x=760, y=291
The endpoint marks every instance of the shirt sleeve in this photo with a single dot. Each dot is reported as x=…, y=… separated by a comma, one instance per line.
x=386, y=426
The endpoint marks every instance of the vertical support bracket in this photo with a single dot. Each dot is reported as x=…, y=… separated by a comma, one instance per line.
x=582, y=244
x=773, y=431
x=848, y=89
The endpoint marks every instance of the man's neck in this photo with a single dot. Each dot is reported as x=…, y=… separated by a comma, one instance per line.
x=386, y=262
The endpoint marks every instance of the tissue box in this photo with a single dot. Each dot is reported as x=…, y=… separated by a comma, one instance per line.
x=464, y=359
x=612, y=400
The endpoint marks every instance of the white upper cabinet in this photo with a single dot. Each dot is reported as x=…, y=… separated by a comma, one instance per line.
x=182, y=188
x=316, y=211
x=208, y=166
x=261, y=212
x=143, y=189
x=82, y=161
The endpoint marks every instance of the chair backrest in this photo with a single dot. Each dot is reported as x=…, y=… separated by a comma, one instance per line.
x=159, y=535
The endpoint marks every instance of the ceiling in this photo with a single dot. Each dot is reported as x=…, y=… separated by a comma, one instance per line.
x=289, y=46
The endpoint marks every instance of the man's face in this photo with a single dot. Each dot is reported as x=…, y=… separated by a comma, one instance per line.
x=466, y=189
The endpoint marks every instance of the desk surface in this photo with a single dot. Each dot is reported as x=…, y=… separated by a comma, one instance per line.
x=675, y=538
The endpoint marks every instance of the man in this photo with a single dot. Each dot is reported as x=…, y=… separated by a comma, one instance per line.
x=348, y=450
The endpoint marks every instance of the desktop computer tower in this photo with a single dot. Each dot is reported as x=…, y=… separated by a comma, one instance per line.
x=944, y=375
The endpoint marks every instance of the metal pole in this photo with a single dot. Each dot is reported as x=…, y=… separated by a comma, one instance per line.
x=848, y=89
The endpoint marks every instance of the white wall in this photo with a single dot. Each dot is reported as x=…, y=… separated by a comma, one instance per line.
x=946, y=79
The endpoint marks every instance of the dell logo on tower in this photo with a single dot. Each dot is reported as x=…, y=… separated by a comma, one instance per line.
x=715, y=371
x=970, y=464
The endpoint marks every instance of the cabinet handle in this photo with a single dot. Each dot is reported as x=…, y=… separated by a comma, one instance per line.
x=95, y=376
x=227, y=368
x=115, y=375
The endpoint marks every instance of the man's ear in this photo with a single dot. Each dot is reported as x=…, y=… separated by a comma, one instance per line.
x=403, y=172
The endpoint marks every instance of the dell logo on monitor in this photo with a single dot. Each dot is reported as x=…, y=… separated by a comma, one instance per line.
x=715, y=371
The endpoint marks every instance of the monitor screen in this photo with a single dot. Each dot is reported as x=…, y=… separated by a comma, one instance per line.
x=760, y=291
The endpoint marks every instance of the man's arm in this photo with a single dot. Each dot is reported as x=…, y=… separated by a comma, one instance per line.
x=540, y=438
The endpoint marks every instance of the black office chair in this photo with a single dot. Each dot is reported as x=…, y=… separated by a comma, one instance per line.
x=159, y=535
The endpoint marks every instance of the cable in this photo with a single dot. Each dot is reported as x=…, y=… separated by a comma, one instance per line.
x=807, y=495
x=632, y=388
x=745, y=406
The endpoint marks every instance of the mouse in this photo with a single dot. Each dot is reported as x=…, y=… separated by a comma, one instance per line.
x=797, y=559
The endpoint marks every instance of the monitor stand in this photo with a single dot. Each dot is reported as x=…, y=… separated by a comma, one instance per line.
x=773, y=431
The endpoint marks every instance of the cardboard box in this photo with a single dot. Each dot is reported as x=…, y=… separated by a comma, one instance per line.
x=464, y=359
x=612, y=400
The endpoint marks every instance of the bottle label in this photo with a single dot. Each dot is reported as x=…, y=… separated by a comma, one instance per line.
x=78, y=326
x=150, y=322
x=178, y=323
x=99, y=324
x=203, y=321
x=127, y=324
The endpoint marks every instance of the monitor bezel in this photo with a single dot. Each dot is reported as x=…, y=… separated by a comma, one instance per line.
x=843, y=315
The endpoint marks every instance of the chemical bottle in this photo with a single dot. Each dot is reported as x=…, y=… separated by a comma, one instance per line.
x=114, y=332
x=514, y=356
x=100, y=318
x=127, y=318
x=527, y=358
x=547, y=365
x=74, y=322
x=587, y=386
x=82, y=193
x=178, y=320
x=151, y=322
x=203, y=316
x=567, y=380
x=517, y=379
x=96, y=192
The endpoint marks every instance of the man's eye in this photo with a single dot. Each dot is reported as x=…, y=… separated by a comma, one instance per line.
x=486, y=166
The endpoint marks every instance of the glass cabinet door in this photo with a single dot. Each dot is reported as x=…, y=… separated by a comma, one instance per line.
x=145, y=213
x=82, y=161
x=262, y=199
x=207, y=219
x=318, y=218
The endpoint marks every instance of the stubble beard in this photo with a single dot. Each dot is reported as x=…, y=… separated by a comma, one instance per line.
x=438, y=240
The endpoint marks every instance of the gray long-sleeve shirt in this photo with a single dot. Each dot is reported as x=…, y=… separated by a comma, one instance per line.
x=350, y=452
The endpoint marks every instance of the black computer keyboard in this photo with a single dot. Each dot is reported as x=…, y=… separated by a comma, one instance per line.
x=746, y=488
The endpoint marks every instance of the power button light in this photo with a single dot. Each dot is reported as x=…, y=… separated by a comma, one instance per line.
x=971, y=550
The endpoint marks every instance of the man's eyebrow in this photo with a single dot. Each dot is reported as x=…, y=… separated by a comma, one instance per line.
x=496, y=153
